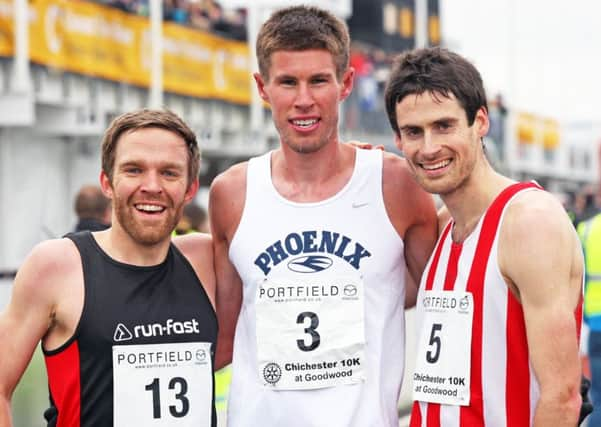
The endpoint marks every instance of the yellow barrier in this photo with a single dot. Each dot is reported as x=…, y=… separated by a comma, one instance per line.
x=100, y=41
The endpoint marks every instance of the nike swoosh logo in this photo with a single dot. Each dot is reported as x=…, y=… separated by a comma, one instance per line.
x=359, y=204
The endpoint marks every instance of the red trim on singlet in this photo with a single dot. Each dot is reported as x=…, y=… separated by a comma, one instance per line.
x=473, y=415
x=436, y=259
x=64, y=383
x=517, y=377
x=578, y=315
x=449, y=281
x=433, y=412
x=416, y=416
x=433, y=409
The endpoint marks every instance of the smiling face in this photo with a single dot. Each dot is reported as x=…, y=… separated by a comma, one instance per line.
x=149, y=184
x=304, y=95
x=440, y=147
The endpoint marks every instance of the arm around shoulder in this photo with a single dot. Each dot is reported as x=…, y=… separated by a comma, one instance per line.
x=198, y=249
x=412, y=212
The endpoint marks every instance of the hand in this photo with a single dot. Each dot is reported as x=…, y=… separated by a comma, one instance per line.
x=366, y=145
x=587, y=407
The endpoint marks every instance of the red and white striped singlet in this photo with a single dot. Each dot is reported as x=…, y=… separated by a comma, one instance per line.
x=503, y=388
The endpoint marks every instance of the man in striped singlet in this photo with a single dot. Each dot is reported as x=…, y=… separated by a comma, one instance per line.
x=499, y=305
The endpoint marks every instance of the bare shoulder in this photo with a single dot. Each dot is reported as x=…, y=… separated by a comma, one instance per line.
x=198, y=250
x=195, y=246
x=406, y=202
x=53, y=258
x=47, y=267
x=538, y=244
x=226, y=200
x=395, y=167
x=534, y=212
x=231, y=180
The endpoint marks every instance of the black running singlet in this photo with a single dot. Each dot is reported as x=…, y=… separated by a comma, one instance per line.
x=143, y=351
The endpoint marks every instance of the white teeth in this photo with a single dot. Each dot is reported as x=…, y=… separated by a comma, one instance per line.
x=436, y=165
x=304, y=123
x=150, y=208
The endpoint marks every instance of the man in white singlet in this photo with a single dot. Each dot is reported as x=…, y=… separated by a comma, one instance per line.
x=499, y=307
x=314, y=243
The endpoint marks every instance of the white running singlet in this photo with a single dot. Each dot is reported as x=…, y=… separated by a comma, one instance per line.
x=320, y=339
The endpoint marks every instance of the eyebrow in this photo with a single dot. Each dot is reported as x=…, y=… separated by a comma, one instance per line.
x=161, y=165
x=446, y=120
x=437, y=121
x=323, y=75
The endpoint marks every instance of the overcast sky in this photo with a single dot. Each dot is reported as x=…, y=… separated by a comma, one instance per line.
x=543, y=55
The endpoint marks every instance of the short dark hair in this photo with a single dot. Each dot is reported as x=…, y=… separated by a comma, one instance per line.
x=303, y=28
x=439, y=71
x=91, y=203
x=196, y=214
x=146, y=118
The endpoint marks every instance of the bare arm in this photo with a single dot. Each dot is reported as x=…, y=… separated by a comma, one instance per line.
x=540, y=257
x=412, y=212
x=198, y=249
x=226, y=202
x=30, y=314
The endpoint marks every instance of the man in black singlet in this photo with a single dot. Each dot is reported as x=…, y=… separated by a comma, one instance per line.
x=125, y=318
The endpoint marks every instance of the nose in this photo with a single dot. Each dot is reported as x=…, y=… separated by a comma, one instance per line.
x=151, y=182
x=429, y=146
x=304, y=97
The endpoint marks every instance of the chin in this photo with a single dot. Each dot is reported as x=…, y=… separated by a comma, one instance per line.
x=434, y=187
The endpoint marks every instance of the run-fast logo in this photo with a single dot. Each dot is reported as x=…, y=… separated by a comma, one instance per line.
x=170, y=327
x=305, y=252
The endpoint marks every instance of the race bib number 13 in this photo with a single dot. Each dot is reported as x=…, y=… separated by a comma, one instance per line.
x=162, y=384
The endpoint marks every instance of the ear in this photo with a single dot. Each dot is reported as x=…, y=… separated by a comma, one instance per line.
x=481, y=122
x=261, y=86
x=191, y=191
x=106, y=185
x=348, y=79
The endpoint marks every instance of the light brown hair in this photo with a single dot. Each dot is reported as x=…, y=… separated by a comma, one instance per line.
x=143, y=119
x=303, y=28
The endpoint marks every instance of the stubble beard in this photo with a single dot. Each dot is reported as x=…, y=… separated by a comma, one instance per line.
x=144, y=234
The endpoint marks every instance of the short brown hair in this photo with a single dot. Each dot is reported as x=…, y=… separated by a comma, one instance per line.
x=303, y=28
x=146, y=118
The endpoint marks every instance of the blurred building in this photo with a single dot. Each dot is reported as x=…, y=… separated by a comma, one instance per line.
x=68, y=67
x=390, y=24
x=562, y=156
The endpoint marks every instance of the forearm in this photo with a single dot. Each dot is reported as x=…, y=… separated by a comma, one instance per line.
x=558, y=412
x=5, y=413
x=224, y=352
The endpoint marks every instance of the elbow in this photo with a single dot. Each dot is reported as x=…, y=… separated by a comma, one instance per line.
x=566, y=402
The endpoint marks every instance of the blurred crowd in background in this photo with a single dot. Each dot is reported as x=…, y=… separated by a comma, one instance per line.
x=205, y=15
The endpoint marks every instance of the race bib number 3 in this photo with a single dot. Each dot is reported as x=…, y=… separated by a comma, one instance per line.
x=310, y=335
x=442, y=369
x=162, y=384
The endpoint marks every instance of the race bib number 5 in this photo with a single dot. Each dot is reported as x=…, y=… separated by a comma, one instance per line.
x=162, y=384
x=442, y=369
x=310, y=334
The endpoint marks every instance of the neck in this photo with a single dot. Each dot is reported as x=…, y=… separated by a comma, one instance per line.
x=121, y=247
x=469, y=202
x=312, y=177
